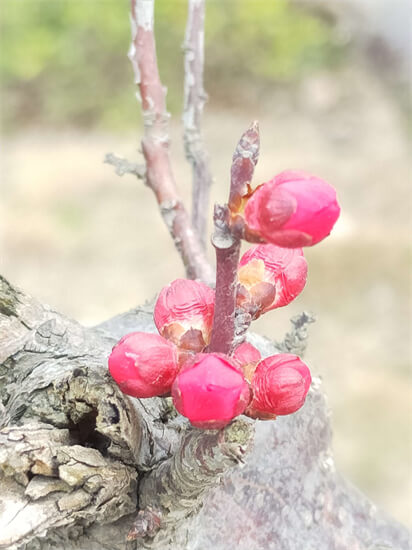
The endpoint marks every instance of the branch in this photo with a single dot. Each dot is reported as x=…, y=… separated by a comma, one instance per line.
x=227, y=248
x=73, y=447
x=73, y=451
x=175, y=490
x=155, y=142
x=123, y=166
x=296, y=340
x=194, y=100
x=226, y=330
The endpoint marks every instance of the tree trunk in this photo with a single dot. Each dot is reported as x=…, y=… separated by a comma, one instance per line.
x=79, y=459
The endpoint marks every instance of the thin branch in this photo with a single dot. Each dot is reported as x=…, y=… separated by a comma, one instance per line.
x=225, y=332
x=123, y=166
x=194, y=100
x=296, y=340
x=155, y=142
x=227, y=259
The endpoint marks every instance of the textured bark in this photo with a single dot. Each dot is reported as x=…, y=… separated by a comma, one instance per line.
x=78, y=459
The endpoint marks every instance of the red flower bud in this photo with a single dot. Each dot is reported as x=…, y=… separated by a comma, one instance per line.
x=279, y=386
x=210, y=391
x=294, y=209
x=143, y=364
x=247, y=357
x=265, y=267
x=184, y=313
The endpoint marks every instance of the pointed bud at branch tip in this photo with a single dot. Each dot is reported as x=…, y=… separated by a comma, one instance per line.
x=144, y=365
x=244, y=161
x=210, y=391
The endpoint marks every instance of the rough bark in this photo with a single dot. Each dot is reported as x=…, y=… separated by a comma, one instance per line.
x=78, y=459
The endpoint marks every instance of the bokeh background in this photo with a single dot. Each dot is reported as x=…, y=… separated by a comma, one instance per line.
x=328, y=82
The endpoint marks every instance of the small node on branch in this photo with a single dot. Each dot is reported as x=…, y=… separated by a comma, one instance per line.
x=244, y=161
x=222, y=235
x=123, y=166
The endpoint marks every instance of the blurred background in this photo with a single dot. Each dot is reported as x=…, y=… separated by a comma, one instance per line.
x=328, y=81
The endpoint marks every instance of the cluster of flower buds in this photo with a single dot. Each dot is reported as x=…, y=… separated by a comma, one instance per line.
x=292, y=210
x=270, y=277
x=146, y=365
x=210, y=389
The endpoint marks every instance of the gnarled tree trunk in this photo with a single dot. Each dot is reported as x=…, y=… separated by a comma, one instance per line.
x=80, y=461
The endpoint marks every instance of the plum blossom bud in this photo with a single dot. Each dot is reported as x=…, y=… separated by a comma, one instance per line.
x=294, y=209
x=248, y=357
x=144, y=365
x=279, y=386
x=210, y=391
x=270, y=277
x=184, y=314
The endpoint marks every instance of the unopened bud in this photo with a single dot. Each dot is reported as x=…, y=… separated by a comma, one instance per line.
x=279, y=386
x=270, y=277
x=144, y=365
x=292, y=210
x=184, y=314
x=210, y=391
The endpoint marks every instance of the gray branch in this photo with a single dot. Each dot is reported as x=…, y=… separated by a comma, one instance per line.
x=155, y=143
x=176, y=488
x=296, y=340
x=123, y=166
x=80, y=463
x=194, y=100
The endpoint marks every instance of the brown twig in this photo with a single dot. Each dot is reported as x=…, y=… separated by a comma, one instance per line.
x=194, y=100
x=227, y=259
x=155, y=142
x=226, y=241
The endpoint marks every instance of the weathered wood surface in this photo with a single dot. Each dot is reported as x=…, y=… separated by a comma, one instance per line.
x=77, y=457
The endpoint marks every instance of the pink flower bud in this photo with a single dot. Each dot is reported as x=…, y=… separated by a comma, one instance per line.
x=210, y=391
x=294, y=209
x=184, y=314
x=279, y=386
x=267, y=266
x=144, y=365
x=247, y=356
